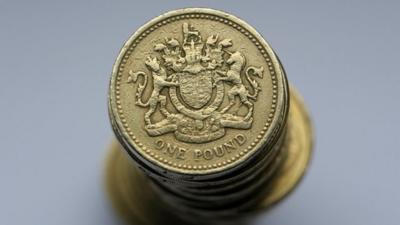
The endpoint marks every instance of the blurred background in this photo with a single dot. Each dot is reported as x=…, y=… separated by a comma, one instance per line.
x=55, y=64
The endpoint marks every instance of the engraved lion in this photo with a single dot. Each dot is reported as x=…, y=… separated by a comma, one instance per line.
x=160, y=80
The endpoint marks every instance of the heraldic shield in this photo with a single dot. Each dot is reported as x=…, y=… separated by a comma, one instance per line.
x=195, y=89
x=195, y=72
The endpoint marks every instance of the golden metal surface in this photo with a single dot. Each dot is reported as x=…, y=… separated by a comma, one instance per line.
x=201, y=105
x=175, y=88
x=299, y=146
x=133, y=196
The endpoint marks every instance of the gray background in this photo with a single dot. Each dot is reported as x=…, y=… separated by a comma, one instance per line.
x=55, y=63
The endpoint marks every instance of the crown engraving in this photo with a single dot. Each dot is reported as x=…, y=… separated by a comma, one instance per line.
x=195, y=72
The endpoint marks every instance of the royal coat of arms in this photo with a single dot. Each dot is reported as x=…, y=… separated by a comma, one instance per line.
x=196, y=73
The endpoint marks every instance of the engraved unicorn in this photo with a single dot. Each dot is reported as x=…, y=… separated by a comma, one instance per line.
x=236, y=64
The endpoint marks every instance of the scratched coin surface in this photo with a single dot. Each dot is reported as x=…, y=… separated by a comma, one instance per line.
x=197, y=91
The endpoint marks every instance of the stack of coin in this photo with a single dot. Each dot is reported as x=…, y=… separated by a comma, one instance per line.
x=200, y=102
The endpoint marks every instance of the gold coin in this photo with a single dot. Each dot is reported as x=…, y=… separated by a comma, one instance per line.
x=197, y=92
x=299, y=150
x=130, y=194
x=134, y=198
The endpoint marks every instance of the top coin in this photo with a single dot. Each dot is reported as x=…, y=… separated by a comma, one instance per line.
x=197, y=91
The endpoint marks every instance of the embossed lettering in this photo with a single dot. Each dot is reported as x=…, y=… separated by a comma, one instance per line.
x=228, y=146
x=240, y=139
x=197, y=154
x=181, y=153
x=171, y=149
x=220, y=150
x=208, y=154
x=159, y=144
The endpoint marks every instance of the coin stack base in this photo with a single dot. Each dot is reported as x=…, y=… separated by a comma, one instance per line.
x=135, y=199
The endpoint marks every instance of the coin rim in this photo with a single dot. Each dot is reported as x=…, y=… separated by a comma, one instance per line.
x=272, y=127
